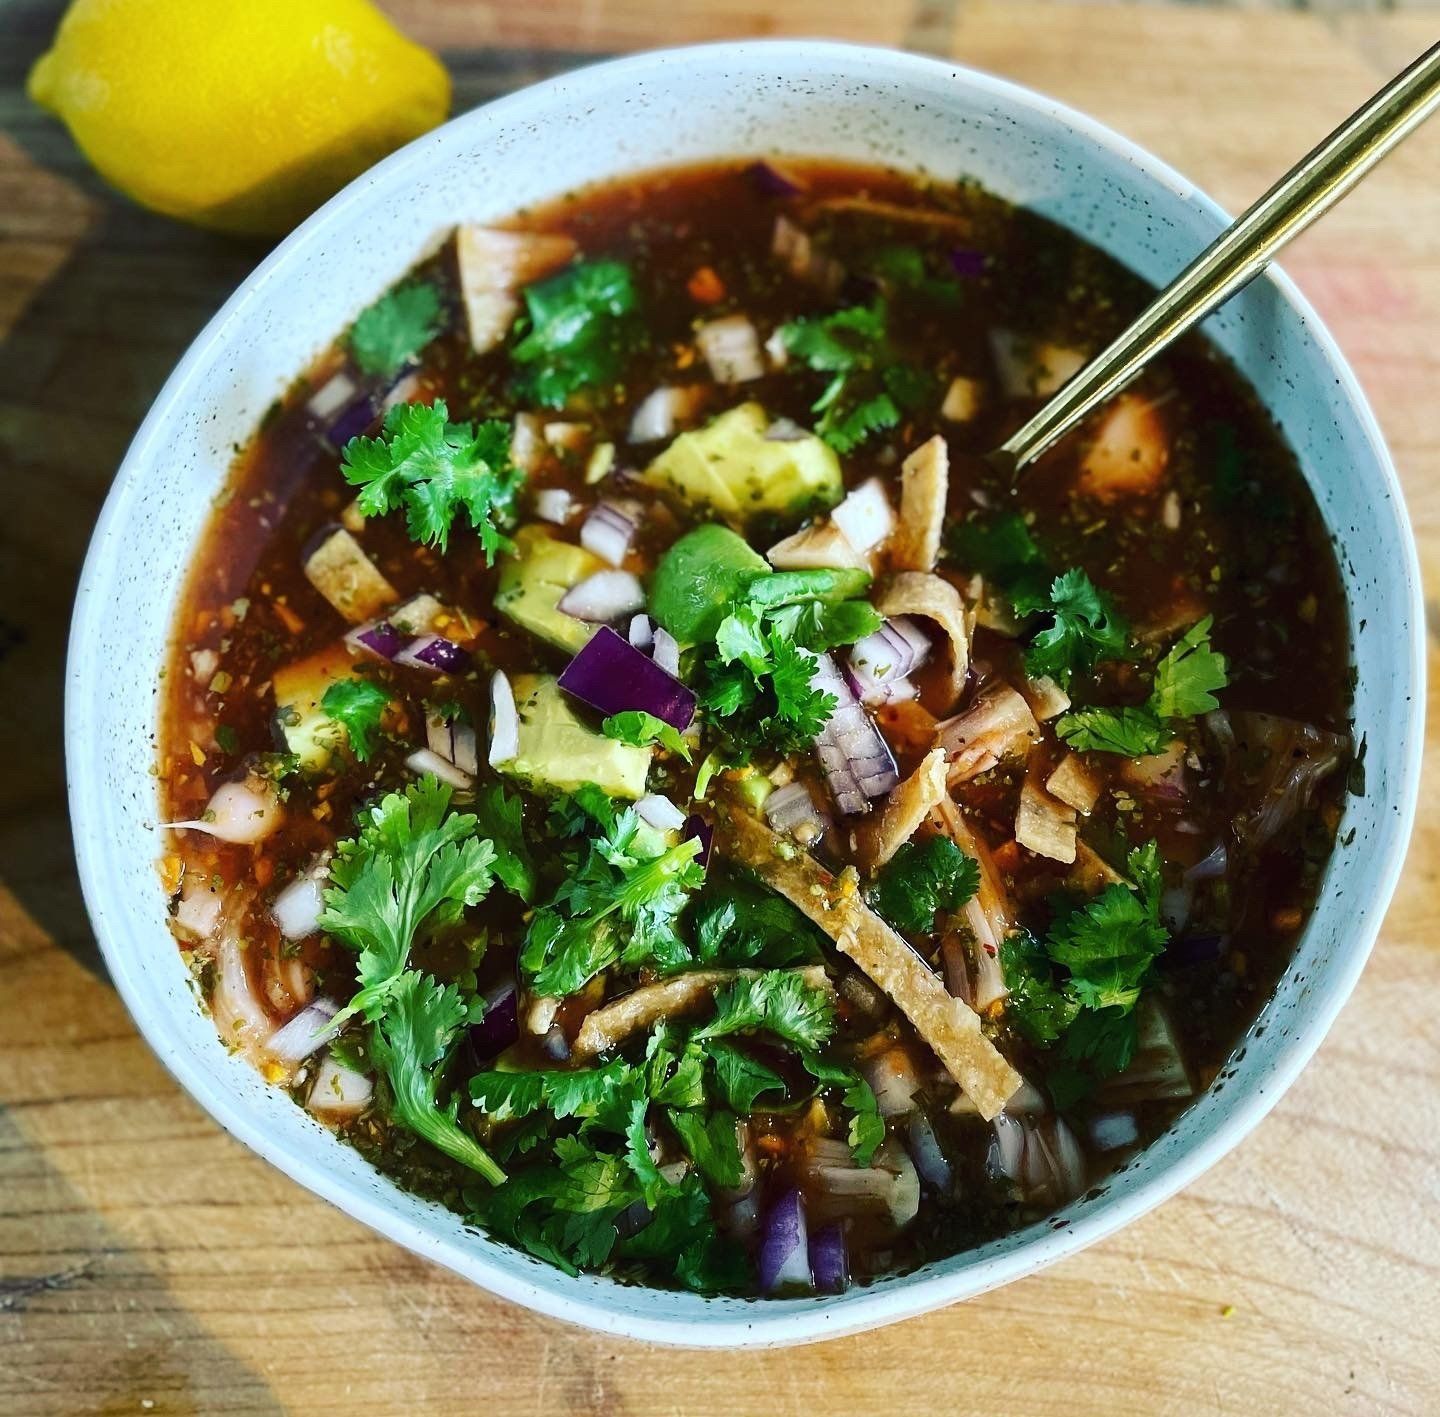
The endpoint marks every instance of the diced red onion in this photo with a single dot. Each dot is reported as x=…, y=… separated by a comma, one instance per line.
x=608, y=531
x=554, y=504
x=829, y=1262
x=666, y=651
x=731, y=348
x=555, y=1044
x=881, y=663
x=927, y=1154
x=297, y=909
x=614, y=677
x=642, y=634
x=435, y=654
x=1175, y=906
x=1212, y=867
x=339, y=1091
x=785, y=430
x=603, y=597
x=380, y=638
x=784, y=1246
x=660, y=812
x=774, y=181
x=425, y=761
x=793, y=247
x=970, y=264
x=504, y=721
x=454, y=739
x=865, y=516
x=857, y=761
x=698, y=829
x=500, y=1025
x=1007, y=1151
x=657, y=414
x=791, y=809
x=304, y=1034
x=1112, y=1130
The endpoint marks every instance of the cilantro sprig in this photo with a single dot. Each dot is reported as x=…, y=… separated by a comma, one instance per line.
x=1080, y=629
x=1078, y=987
x=1184, y=686
x=437, y=470
x=584, y=323
x=387, y=335
x=640, y=729
x=870, y=387
x=922, y=879
x=357, y=705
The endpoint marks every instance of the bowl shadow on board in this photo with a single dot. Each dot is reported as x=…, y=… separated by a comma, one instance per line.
x=79, y=367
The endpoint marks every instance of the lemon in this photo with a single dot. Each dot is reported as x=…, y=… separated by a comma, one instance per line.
x=242, y=116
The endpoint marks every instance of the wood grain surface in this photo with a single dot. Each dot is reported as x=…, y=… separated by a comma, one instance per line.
x=148, y=1263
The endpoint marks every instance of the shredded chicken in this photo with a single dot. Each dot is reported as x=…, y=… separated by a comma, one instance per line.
x=996, y=726
x=947, y=1024
x=920, y=593
x=924, y=485
x=879, y=836
x=610, y=1025
x=1129, y=452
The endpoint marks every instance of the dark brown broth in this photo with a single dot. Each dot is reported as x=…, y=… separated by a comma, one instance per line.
x=1251, y=550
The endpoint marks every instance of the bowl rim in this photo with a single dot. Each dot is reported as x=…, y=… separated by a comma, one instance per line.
x=763, y=1326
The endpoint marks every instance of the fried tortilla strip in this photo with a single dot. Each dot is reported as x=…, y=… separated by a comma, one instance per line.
x=637, y=1011
x=924, y=485
x=926, y=595
x=879, y=836
x=947, y=1024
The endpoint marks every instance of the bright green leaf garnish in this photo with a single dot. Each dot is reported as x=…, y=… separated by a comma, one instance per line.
x=500, y=816
x=640, y=729
x=711, y=1144
x=583, y=325
x=741, y=1079
x=387, y=335
x=1083, y=628
x=420, y=1024
x=358, y=705
x=411, y=868
x=436, y=470
x=777, y=1001
x=921, y=879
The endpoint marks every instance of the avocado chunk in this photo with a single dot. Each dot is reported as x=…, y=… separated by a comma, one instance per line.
x=534, y=578
x=731, y=466
x=309, y=733
x=557, y=752
x=699, y=579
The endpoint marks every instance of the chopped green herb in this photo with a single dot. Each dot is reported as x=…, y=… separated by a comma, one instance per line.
x=778, y=1001
x=640, y=729
x=921, y=879
x=358, y=706
x=387, y=335
x=1083, y=627
x=436, y=469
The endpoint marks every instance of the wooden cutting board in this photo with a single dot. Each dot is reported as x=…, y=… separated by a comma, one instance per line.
x=150, y=1264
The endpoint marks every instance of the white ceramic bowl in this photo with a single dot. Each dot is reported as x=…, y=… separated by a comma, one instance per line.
x=684, y=105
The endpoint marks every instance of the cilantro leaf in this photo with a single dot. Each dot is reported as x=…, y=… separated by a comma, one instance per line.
x=421, y=1021
x=500, y=816
x=777, y=1001
x=1038, y=1005
x=583, y=324
x=741, y=1079
x=737, y=920
x=435, y=470
x=1106, y=1039
x=867, y=1126
x=1084, y=627
x=653, y=1183
x=638, y=728
x=411, y=867
x=868, y=386
x=1185, y=679
x=1003, y=550
x=921, y=879
x=574, y=1092
x=682, y=1231
x=674, y=1075
x=387, y=335
x=357, y=705
x=1183, y=686
x=711, y=1144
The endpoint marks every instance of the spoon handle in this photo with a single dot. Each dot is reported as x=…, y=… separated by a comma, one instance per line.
x=1241, y=251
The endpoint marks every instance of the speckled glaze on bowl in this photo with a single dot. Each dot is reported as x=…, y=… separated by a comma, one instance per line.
x=804, y=98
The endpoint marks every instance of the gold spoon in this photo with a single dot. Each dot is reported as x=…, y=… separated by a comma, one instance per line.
x=1239, y=253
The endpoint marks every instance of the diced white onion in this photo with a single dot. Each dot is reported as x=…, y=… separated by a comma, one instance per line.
x=657, y=414
x=641, y=635
x=240, y=812
x=865, y=516
x=423, y=761
x=197, y=912
x=504, y=722
x=339, y=1091
x=297, y=909
x=527, y=447
x=338, y=391
x=1112, y=1130
x=791, y=809
x=304, y=1034
x=609, y=529
x=603, y=597
x=666, y=652
x=732, y=349
x=661, y=813
x=454, y=739
x=893, y=1081
x=554, y=504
